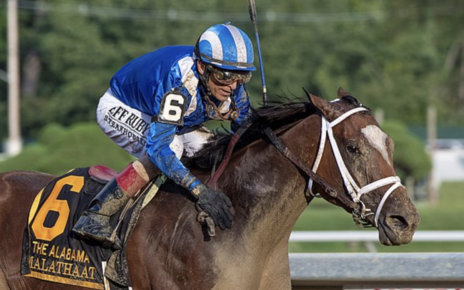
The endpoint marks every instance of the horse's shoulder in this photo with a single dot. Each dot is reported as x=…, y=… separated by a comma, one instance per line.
x=172, y=207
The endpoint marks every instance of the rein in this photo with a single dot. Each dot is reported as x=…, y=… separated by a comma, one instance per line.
x=242, y=129
x=280, y=146
x=203, y=217
x=351, y=186
x=282, y=149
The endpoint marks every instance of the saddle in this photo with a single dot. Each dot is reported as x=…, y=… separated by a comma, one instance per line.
x=102, y=173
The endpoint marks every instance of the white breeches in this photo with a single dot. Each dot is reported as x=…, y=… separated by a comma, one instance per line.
x=128, y=128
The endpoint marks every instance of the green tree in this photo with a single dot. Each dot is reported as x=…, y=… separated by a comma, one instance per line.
x=396, y=55
x=410, y=157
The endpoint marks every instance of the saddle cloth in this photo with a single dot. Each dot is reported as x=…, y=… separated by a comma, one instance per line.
x=52, y=252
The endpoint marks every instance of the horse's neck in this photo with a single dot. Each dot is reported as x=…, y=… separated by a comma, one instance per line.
x=272, y=189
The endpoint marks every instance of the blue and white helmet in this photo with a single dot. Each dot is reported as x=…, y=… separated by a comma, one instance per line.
x=226, y=46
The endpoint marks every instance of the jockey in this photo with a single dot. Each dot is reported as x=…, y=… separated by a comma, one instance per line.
x=154, y=109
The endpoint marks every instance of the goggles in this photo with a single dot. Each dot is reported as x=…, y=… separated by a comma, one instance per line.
x=226, y=77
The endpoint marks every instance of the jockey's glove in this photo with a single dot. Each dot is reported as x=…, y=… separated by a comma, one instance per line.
x=216, y=204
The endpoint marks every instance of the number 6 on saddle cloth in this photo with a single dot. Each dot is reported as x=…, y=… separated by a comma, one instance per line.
x=52, y=252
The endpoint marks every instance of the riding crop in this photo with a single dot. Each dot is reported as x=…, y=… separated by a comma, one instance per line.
x=254, y=20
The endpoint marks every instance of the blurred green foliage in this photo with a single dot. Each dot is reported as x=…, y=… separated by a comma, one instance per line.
x=396, y=55
x=60, y=149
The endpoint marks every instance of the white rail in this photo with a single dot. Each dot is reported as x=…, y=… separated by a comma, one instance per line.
x=372, y=236
x=369, y=237
x=356, y=271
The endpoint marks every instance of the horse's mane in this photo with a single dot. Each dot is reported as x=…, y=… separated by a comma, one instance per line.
x=279, y=117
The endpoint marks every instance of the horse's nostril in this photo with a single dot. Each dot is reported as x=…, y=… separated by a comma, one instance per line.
x=397, y=222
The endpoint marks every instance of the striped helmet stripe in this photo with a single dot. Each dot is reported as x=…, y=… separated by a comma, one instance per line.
x=240, y=46
x=214, y=42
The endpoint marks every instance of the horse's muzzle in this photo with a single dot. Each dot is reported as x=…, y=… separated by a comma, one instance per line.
x=399, y=221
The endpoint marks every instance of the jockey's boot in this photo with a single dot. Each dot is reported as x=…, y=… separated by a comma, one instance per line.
x=94, y=223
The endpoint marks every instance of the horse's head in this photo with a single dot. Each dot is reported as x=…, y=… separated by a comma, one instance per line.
x=361, y=155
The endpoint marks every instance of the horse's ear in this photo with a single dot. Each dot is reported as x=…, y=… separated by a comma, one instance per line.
x=322, y=106
x=342, y=93
x=311, y=98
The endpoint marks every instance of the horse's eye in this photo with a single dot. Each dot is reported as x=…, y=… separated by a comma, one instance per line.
x=353, y=149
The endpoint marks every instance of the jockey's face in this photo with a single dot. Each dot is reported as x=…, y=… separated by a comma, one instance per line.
x=219, y=89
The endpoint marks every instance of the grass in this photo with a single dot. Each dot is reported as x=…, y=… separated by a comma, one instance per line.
x=446, y=215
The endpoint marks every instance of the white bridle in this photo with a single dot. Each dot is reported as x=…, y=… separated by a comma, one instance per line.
x=353, y=189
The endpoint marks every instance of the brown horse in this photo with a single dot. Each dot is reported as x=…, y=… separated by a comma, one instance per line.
x=168, y=248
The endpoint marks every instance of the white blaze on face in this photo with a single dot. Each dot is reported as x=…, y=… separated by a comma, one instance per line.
x=378, y=139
